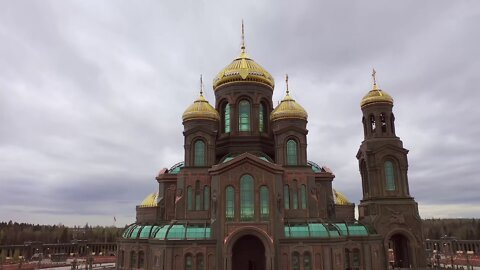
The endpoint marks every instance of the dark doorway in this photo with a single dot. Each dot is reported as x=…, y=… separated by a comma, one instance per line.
x=399, y=245
x=248, y=253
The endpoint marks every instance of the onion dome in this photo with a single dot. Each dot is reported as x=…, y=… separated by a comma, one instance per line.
x=376, y=95
x=150, y=200
x=288, y=109
x=200, y=109
x=242, y=69
x=340, y=198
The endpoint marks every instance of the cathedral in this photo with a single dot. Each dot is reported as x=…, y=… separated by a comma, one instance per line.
x=246, y=196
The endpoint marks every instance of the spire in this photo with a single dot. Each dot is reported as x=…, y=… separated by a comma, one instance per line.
x=243, y=38
x=375, y=87
x=201, y=85
x=286, y=81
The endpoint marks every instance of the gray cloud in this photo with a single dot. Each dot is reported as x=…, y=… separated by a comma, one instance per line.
x=91, y=93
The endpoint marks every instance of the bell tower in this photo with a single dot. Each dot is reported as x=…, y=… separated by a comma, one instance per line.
x=387, y=205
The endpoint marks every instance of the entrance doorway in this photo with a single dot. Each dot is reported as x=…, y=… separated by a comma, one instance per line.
x=248, y=253
x=399, y=247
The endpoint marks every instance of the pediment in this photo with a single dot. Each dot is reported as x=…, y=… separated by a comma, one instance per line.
x=246, y=158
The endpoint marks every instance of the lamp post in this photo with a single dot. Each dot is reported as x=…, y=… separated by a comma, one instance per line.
x=469, y=253
x=459, y=254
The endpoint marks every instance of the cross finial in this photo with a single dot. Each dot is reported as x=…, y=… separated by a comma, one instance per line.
x=286, y=81
x=201, y=85
x=243, y=37
x=374, y=79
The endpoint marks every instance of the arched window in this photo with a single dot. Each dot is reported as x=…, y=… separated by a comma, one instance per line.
x=133, y=259
x=383, y=122
x=226, y=118
x=200, y=262
x=356, y=259
x=303, y=197
x=372, y=123
x=307, y=261
x=141, y=259
x=198, y=196
x=229, y=203
x=188, y=262
x=389, y=175
x=246, y=198
x=295, y=261
x=244, y=116
x=292, y=152
x=294, y=195
x=206, y=197
x=286, y=196
x=347, y=259
x=264, y=203
x=189, y=198
x=199, y=155
x=261, y=118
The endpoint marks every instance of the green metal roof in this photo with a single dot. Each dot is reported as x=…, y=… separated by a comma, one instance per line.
x=324, y=230
x=168, y=232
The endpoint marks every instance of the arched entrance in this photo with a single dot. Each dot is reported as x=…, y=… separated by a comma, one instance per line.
x=399, y=251
x=248, y=253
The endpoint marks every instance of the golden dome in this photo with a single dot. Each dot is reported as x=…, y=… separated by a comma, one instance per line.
x=376, y=95
x=242, y=69
x=200, y=109
x=150, y=200
x=288, y=109
x=340, y=198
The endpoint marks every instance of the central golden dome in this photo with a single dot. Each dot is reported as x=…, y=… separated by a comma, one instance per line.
x=242, y=69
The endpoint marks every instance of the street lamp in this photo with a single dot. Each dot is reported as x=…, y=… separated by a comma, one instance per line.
x=469, y=253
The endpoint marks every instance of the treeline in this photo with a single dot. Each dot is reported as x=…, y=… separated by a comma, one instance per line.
x=462, y=229
x=13, y=233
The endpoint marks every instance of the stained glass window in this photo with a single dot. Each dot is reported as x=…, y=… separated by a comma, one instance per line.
x=389, y=175
x=295, y=261
x=229, y=203
x=246, y=197
x=303, y=197
x=199, y=159
x=291, y=152
x=286, y=196
x=261, y=118
x=189, y=198
x=206, y=197
x=227, y=118
x=294, y=195
x=198, y=196
x=188, y=262
x=307, y=261
x=200, y=262
x=264, y=203
x=244, y=116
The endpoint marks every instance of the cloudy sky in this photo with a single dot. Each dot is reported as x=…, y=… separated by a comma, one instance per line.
x=92, y=92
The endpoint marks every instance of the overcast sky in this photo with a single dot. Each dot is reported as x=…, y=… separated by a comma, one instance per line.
x=92, y=93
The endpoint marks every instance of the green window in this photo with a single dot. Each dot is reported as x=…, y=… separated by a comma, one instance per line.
x=200, y=262
x=188, y=262
x=261, y=118
x=307, y=261
x=294, y=195
x=292, y=152
x=246, y=198
x=206, y=197
x=303, y=197
x=199, y=158
x=389, y=175
x=295, y=261
x=230, y=203
x=286, y=196
x=189, y=198
x=264, y=205
x=244, y=116
x=226, y=117
x=198, y=196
